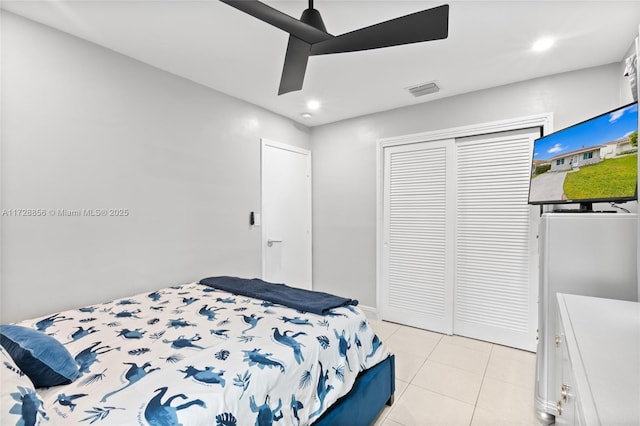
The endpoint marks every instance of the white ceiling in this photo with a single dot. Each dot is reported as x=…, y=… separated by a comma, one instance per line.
x=211, y=43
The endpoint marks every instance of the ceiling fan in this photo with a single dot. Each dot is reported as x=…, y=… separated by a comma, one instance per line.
x=308, y=35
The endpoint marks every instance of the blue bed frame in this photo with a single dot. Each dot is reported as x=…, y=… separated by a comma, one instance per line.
x=373, y=389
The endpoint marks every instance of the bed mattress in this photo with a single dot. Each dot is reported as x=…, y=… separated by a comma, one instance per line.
x=194, y=355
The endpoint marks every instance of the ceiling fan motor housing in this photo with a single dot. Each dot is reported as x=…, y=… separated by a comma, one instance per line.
x=312, y=17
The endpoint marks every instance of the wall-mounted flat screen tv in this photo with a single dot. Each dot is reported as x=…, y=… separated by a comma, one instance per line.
x=592, y=161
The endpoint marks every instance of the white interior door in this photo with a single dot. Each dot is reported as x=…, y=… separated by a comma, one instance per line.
x=286, y=214
x=416, y=258
x=495, y=240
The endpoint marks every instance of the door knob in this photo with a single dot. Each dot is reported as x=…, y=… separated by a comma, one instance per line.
x=271, y=242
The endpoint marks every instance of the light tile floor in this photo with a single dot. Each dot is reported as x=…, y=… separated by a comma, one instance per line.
x=453, y=380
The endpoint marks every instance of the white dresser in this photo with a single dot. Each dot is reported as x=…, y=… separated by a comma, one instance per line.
x=591, y=254
x=598, y=354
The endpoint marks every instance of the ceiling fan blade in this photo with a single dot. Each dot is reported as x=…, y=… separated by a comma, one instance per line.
x=293, y=26
x=295, y=65
x=430, y=24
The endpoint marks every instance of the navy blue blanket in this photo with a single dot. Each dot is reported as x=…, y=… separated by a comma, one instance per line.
x=296, y=298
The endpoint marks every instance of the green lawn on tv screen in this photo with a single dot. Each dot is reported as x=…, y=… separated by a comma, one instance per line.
x=611, y=178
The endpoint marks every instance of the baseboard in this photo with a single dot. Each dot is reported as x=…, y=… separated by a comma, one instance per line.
x=370, y=312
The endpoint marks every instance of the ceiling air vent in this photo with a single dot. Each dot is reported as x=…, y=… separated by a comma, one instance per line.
x=424, y=89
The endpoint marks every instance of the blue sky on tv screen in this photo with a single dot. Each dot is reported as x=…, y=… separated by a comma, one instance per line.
x=597, y=131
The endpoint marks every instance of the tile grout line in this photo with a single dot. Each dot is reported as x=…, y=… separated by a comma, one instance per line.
x=484, y=372
x=410, y=382
x=484, y=375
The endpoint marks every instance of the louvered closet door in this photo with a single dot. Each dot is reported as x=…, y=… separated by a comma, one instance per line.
x=495, y=291
x=416, y=271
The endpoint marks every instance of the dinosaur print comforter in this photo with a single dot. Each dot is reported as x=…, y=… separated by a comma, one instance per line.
x=194, y=355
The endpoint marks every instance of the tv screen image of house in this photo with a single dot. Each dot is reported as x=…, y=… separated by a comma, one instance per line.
x=595, y=160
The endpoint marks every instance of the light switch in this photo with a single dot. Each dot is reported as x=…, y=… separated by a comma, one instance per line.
x=256, y=219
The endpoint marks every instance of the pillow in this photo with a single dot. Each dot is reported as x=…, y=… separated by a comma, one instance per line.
x=40, y=356
x=19, y=402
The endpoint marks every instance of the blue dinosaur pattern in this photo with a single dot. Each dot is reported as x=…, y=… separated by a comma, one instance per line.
x=191, y=354
x=344, y=346
x=252, y=320
x=81, y=332
x=27, y=407
x=322, y=390
x=208, y=375
x=134, y=374
x=86, y=357
x=158, y=413
x=297, y=320
x=266, y=415
x=290, y=341
x=255, y=357
x=47, y=322
x=210, y=313
x=67, y=400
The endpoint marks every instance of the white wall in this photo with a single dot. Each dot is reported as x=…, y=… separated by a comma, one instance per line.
x=625, y=98
x=345, y=162
x=83, y=128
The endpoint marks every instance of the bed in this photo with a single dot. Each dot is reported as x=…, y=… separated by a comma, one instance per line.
x=198, y=354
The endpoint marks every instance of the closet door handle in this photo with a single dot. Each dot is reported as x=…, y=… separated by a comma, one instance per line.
x=559, y=408
x=271, y=242
x=564, y=394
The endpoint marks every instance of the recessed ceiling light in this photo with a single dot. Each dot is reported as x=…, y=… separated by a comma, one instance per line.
x=306, y=115
x=313, y=105
x=543, y=44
